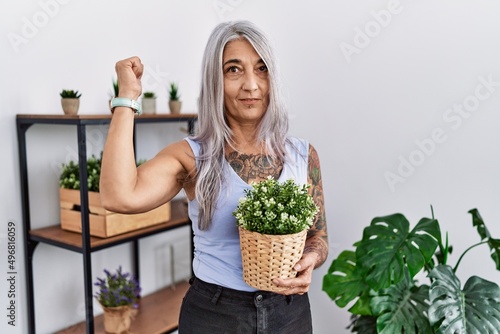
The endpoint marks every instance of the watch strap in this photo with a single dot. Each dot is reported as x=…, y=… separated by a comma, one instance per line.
x=126, y=102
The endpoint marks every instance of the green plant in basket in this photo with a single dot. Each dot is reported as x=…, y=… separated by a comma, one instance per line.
x=276, y=208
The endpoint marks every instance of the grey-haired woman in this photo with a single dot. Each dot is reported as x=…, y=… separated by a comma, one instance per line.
x=242, y=137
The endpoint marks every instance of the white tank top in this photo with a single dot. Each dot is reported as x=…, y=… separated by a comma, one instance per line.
x=217, y=255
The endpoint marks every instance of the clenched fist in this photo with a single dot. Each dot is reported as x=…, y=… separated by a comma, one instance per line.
x=129, y=72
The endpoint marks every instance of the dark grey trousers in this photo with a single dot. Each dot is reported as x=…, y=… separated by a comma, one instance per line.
x=211, y=309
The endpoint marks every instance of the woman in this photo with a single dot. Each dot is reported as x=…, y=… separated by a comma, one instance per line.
x=241, y=138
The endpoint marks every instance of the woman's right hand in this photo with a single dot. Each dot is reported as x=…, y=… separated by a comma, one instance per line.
x=129, y=72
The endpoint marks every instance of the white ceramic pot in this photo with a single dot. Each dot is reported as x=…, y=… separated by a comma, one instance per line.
x=148, y=105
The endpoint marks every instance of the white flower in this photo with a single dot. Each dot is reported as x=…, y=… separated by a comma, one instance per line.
x=290, y=208
x=284, y=216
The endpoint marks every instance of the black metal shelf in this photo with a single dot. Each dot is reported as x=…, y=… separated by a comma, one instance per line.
x=82, y=242
x=56, y=236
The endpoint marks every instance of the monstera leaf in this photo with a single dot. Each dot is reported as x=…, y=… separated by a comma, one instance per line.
x=402, y=308
x=388, y=247
x=494, y=244
x=475, y=310
x=344, y=283
x=364, y=324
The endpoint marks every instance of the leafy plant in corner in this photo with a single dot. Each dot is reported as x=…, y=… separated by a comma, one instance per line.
x=378, y=279
x=69, y=94
x=174, y=92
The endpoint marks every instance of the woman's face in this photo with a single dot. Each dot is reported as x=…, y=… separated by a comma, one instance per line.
x=246, y=83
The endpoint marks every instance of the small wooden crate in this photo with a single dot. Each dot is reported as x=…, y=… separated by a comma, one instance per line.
x=104, y=223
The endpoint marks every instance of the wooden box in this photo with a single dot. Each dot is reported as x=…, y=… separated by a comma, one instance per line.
x=104, y=223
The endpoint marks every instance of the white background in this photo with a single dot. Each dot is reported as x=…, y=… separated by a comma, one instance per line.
x=367, y=82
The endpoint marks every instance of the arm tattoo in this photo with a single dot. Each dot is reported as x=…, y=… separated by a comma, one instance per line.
x=317, y=237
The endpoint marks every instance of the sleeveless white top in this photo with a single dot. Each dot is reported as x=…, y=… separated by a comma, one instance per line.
x=217, y=255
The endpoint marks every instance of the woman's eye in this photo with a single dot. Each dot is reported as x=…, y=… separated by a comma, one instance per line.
x=263, y=68
x=232, y=69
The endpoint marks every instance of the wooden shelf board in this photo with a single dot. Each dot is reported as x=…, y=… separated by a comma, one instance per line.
x=104, y=116
x=158, y=313
x=74, y=240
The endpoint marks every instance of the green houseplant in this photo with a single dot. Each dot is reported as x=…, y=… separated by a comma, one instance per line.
x=149, y=103
x=70, y=101
x=114, y=91
x=273, y=219
x=115, y=88
x=276, y=208
x=70, y=174
x=378, y=279
x=118, y=295
x=174, y=103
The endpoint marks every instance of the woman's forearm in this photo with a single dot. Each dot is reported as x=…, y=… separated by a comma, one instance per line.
x=318, y=245
x=118, y=170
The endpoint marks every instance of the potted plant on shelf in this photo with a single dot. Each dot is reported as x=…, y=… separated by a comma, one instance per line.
x=149, y=103
x=273, y=219
x=115, y=88
x=103, y=223
x=70, y=101
x=174, y=104
x=114, y=91
x=118, y=296
x=378, y=280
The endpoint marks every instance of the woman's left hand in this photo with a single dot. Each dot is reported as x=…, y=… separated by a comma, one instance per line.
x=300, y=284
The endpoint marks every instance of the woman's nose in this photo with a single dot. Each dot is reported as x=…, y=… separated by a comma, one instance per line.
x=250, y=82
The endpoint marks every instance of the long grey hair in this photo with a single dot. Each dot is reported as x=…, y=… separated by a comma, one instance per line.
x=213, y=132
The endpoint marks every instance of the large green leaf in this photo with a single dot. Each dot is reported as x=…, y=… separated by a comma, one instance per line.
x=344, y=282
x=364, y=324
x=475, y=310
x=494, y=244
x=402, y=308
x=388, y=247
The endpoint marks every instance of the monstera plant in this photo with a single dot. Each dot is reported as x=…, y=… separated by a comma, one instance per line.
x=378, y=280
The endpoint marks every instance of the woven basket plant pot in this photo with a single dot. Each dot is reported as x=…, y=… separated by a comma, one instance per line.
x=266, y=257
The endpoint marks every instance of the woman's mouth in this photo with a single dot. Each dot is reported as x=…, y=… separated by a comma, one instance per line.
x=249, y=102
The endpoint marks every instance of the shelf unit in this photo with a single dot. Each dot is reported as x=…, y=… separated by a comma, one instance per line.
x=166, y=300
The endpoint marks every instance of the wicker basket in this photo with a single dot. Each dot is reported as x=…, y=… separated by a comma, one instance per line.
x=266, y=257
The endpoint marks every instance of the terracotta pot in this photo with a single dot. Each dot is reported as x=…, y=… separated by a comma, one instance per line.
x=174, y=106
x=148, y=105
x=70, y=105
x=118, y=319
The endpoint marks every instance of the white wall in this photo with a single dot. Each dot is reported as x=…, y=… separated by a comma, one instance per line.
x=366, y=103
